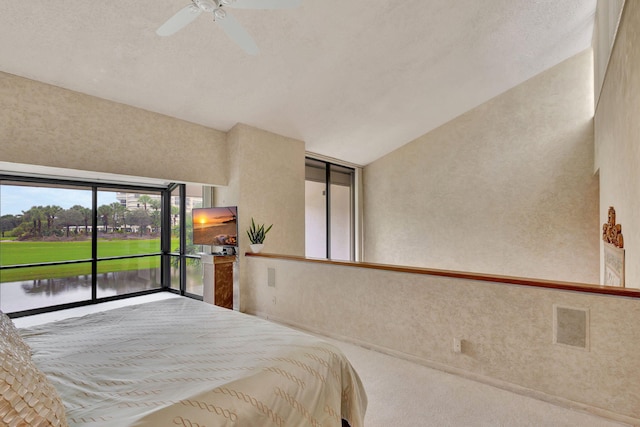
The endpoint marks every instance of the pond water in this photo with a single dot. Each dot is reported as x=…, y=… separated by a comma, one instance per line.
x=32, y=294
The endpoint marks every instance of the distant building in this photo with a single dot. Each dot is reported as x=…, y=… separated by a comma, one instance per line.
x=131, y=200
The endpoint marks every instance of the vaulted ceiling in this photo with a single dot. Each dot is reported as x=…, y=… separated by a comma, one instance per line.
x=354, y=79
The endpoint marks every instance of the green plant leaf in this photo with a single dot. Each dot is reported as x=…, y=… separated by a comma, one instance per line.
x=257, y=233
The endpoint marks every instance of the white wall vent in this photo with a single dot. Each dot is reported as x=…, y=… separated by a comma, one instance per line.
x=571, y=327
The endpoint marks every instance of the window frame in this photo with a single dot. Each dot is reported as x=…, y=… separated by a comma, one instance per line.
x=315, y=162
x=165, y=239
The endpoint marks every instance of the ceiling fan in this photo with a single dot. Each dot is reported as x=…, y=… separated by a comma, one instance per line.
x=224, y=19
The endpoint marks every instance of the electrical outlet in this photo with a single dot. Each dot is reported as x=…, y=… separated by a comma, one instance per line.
x=457, y=345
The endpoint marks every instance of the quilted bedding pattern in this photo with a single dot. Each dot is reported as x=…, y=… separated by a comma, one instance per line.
x=181, y=362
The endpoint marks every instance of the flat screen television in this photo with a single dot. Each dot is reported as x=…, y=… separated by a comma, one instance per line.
x=215, y=226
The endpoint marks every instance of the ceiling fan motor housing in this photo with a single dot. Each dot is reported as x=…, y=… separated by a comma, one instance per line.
x=224, y=19
x=206, y=5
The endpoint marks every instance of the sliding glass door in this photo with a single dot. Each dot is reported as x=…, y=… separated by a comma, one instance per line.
x=329, y=210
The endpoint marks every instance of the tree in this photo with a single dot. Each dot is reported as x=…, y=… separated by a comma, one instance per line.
x=139, y=217
x=175, y=211
x=155, y=215
x=9, y=222
x=33, y=219
x=105, y=212
x=85, y=213
x=155, y=204
x=145, y=199
x=118, y=213
x=50, y=213
x=70, y=217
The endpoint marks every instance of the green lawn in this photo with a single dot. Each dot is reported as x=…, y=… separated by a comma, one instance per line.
x=15, y=253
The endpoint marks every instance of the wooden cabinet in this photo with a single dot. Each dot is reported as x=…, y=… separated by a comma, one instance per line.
x=218, y=278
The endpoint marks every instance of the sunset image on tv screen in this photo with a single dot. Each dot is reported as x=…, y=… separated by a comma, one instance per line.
x=215, y=226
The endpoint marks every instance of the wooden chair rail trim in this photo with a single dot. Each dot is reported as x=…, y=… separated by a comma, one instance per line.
x=521, y=281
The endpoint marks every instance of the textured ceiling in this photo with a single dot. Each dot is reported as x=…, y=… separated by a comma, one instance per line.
x=354, y=79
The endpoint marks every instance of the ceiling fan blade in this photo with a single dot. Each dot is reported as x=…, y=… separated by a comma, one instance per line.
x=180, y=20
x=262, y=4
x=237, y=32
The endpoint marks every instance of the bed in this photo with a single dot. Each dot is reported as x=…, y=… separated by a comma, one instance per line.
x=182, y=362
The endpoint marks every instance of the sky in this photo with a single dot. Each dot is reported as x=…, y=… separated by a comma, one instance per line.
x=15, y=199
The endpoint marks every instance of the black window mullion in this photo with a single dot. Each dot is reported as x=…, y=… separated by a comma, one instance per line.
x=165, y=238
x=183, y=239
x=327, y=186
x=94, y=244
x=352, y=214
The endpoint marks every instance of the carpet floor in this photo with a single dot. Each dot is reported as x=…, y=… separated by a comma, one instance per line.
x=402, y=393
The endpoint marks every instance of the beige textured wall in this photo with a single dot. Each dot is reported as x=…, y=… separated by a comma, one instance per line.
x=507, y=330
x=266, y=182
x=617, y=136
x=507, y=188
x=50, y=126
x=261, y=172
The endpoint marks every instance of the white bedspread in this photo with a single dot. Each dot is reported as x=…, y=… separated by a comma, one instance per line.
x=187, y=363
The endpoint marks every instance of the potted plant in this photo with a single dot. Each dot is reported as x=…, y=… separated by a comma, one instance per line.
x=256, y=236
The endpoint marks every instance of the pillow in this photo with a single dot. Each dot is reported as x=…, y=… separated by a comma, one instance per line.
x=27, y=398
x=9, y=334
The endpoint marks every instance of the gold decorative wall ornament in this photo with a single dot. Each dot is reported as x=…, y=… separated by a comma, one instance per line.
x=612, y=232
x=613, y=251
